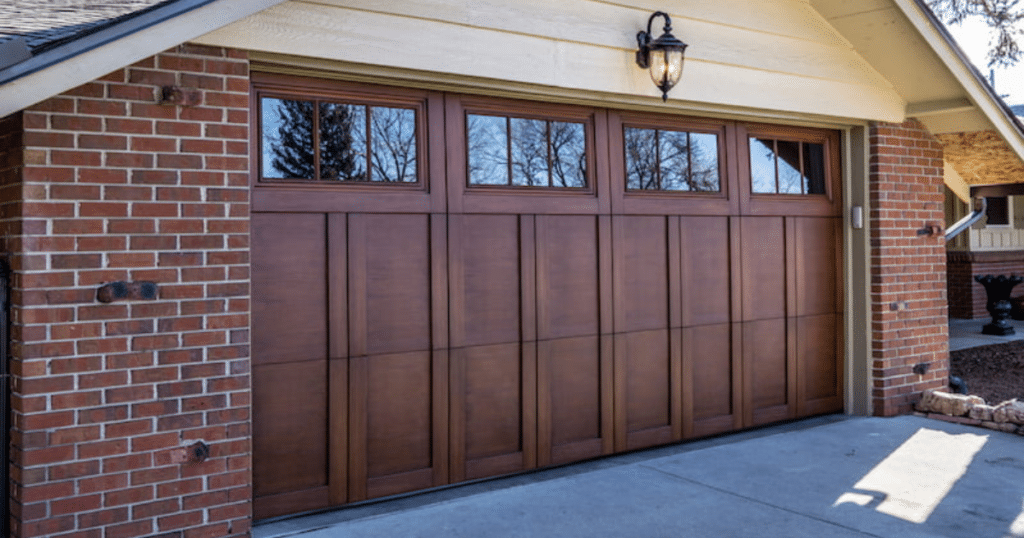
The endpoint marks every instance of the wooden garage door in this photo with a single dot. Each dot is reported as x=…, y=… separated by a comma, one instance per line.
x=449, y=287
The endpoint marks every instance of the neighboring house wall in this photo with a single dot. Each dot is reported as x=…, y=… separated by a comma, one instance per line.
x=908, y=282
x=983, y=250
x=967, y=298
x=119, y=188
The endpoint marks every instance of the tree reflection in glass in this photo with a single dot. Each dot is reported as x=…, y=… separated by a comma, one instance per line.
x=342, y=142
x=762, y=165
x=641, y=159
x=287, y=139
x=568, y=155
x=666, y=160
x=523, y=152
x=488, y=150
x=529, y=152
x=394, y=144
x=786, y=167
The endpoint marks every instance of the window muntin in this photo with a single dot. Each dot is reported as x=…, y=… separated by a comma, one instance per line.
x=669, y=160
x=320, y=140
x=523, y=152
x=786, y=166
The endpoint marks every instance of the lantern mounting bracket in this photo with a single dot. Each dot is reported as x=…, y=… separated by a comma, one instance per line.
x=643, y=39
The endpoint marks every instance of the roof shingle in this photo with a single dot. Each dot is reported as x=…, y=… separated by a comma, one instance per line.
x=47, y=23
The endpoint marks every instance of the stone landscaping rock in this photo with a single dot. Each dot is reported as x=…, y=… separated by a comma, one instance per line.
x=956, y=405
x=981, y=412
x=1011, y=412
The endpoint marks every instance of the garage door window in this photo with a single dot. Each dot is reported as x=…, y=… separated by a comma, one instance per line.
x=525, y=152
x=786, y=166
x=337, y=142
x=665, y=160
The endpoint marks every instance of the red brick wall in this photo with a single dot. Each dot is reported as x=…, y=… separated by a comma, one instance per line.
x=118, y=187
x=967, y=298
x=909, y=323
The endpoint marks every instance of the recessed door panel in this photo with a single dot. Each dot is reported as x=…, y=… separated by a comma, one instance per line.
x=393, y=423
x=641, y=273
x=574, y=400
x=493, y=418
x=647, y=392
x=711, y=377
x=706, y=272
x=769, y=370
x=485, y=279
x=567, y=277
x=818, y=345
x=764, y=268
x=817, y=243
x=389, y=283
x=289, y=299
x=290, y=431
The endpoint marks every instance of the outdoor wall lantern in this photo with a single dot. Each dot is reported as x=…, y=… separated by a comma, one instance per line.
x=663, y=56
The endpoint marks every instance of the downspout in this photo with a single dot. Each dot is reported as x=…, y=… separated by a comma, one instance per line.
x=980, y=205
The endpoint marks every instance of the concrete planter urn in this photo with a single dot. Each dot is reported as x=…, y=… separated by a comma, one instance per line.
x=997, y=289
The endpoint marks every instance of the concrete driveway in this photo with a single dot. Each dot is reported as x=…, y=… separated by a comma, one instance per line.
x=826, y=477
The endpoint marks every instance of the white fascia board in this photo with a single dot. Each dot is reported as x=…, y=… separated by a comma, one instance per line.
x=959, y=65
x=80, y=61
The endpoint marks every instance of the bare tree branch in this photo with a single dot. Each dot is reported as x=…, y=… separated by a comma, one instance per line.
x=1003, y=17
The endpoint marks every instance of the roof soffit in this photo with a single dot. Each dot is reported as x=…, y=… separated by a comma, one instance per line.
x=982, y=139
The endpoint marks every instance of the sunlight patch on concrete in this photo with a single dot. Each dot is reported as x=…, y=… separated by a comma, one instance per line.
x=911, y=482
x=1017, y=527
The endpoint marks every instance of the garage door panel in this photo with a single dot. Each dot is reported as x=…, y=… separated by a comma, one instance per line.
x=769, y=370
x=647, y=393
x=290, y=428
x=398, y=429
x=485, y=279
x=641, y=273
x=817, y=245
x=764, y=267
x=706, y=270
x=393, y=438
x=389, y=283
x=574, y=402
x=493, y=409
x=289, y=299
x=568, y=282
x=709, y=356
x=818, y=347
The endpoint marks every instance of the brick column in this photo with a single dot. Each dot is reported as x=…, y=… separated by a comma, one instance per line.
x=909, y=325
x=115, y=187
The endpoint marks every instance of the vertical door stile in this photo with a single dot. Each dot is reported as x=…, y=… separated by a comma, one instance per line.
x=794, y=390
x=457, y=362
x=358, y=362
x=675, y=334
x=439, y=347
x=607, y=332
x=739, y=385
x=337, y=338
x=528, y=332
x=544, y=359
x=618, y=339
